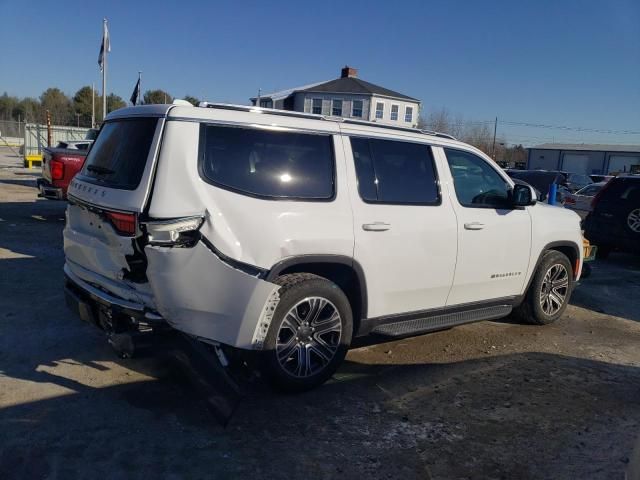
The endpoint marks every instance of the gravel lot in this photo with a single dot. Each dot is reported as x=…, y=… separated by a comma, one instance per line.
x=488, y=400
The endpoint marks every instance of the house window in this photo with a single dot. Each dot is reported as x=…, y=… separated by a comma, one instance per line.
x=316, y=106
x=379, y=110
x=356, y=110
x=336, y=108
x=408, y=114
x=266, y=103
x=394, y=112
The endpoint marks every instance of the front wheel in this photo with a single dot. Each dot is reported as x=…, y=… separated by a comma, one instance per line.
x=310, y=332
x=550, y=290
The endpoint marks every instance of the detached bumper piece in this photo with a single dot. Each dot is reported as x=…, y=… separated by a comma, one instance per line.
x=49, y=191
x=127, y=325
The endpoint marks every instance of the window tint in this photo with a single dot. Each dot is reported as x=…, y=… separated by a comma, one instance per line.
x=267, y=163
x=317, y=106
x=408, y=114
x=395, y=172
x=394, y=112
x=590, y=191
x=476, y=183
x=357, y=108
x=336, y=109
x=379, y=110
x=120, y=152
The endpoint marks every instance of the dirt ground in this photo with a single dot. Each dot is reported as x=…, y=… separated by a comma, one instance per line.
x=490, y=400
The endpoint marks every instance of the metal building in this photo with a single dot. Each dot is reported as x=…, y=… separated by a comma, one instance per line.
x=584, y=158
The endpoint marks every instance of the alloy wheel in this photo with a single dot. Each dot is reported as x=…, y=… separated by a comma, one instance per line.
x=633, y=220
x=308, y=337
x=555, y=287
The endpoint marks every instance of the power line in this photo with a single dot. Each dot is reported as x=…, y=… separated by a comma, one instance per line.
x=573, y=129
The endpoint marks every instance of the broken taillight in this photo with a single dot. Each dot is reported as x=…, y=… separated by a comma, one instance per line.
x=124, y=223
x=57, y=170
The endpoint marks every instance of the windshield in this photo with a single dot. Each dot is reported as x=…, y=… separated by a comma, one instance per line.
x=120, y=152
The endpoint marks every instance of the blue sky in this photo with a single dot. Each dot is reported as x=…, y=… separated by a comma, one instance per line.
x=574, y=63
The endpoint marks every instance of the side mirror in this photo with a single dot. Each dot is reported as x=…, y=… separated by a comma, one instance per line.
x=523, y=195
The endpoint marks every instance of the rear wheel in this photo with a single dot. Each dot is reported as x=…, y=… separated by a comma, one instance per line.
x=309, y=334
x=549, y=292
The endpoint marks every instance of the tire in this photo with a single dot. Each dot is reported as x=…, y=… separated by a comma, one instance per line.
x=540, y=305
x=309, y=335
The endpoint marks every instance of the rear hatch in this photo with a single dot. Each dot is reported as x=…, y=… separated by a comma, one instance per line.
x=106, y=198
x=612, y=206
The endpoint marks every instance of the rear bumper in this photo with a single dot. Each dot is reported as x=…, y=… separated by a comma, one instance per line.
x=49, y=191
x=87, y=301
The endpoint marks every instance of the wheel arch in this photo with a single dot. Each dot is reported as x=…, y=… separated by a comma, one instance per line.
x=566, y=247
x=344, y=271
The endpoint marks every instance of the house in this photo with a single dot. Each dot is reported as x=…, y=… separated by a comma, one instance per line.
x=348, y=97
x=584, y=158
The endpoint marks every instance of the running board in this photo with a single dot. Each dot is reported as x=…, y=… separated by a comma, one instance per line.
x=441, y=321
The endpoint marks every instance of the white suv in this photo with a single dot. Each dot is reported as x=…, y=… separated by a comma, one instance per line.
x=291, y=234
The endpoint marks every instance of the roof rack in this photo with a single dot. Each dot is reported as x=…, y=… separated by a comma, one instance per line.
x=290, y=113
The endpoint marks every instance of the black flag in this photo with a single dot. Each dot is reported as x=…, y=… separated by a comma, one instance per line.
x=136, y=93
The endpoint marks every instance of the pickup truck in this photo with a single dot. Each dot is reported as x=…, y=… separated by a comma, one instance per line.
x=59, y=165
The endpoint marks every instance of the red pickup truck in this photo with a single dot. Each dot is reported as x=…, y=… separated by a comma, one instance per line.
x=59, y=165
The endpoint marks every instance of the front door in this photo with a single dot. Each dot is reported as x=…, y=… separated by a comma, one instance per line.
x=494, y=240
x=404, y=228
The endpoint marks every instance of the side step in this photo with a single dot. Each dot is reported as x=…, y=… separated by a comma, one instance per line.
x=440, y=321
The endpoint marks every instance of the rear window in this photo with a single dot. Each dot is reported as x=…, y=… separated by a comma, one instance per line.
x=267, y=163
x=623, y=189
x=120, y=152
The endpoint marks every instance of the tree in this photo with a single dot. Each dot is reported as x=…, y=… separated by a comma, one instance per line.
x=82, y=105
x=8, y=105
x=192, y=100
x=27, y=110
x=114, y=102
x=58, y=104
x=157, y=96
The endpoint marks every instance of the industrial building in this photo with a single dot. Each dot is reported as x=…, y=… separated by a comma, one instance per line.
x=584, y=158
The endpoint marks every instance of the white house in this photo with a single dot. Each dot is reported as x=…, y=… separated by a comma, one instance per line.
x=349, y=97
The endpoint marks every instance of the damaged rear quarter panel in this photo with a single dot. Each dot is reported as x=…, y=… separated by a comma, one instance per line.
x=200, y=295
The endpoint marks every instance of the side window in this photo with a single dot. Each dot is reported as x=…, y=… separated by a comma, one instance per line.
x=408, y=114
x=379, y=109
x=395, y=172
x=476, y=183
x=394, y=112
x=267, y=163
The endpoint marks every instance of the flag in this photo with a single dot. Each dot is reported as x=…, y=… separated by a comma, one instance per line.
x=136, y=93
x=106, y=43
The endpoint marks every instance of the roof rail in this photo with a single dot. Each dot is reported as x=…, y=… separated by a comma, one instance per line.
x=290, y=113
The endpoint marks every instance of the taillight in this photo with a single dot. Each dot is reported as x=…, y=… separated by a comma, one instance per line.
x=124, y=223
x=570, y=200
x=57, y=170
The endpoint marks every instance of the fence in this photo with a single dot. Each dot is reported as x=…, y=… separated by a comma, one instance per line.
x=11, y=133
x=35, y=137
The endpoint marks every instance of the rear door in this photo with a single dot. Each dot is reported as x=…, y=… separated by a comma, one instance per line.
x=106, y=197
x=404, y=229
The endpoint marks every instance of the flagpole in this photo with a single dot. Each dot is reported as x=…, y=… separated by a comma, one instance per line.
x=104, y=68
x=139, y=85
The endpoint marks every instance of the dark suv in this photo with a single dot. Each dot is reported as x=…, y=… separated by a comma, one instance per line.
x=614, y=223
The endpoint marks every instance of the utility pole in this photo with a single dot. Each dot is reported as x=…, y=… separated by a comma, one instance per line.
x=106, y=46
x=93, y=105
x=139, y=85
x=258, y=99
x=493, y=149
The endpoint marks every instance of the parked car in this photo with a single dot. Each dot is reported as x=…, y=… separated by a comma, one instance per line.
x=59, y=165
x=75, y=144
x=600, y=178
x=580, y=202
x=614, y=223
x=575, y=181
x=288, y=234
x=541, y=180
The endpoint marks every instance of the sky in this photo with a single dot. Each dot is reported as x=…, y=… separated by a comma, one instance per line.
x=573, y=63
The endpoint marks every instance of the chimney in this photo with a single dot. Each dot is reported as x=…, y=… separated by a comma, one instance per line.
x=348, y=72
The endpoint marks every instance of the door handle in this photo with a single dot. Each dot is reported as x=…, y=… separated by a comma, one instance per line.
x=376, y=226
x=474, y=226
